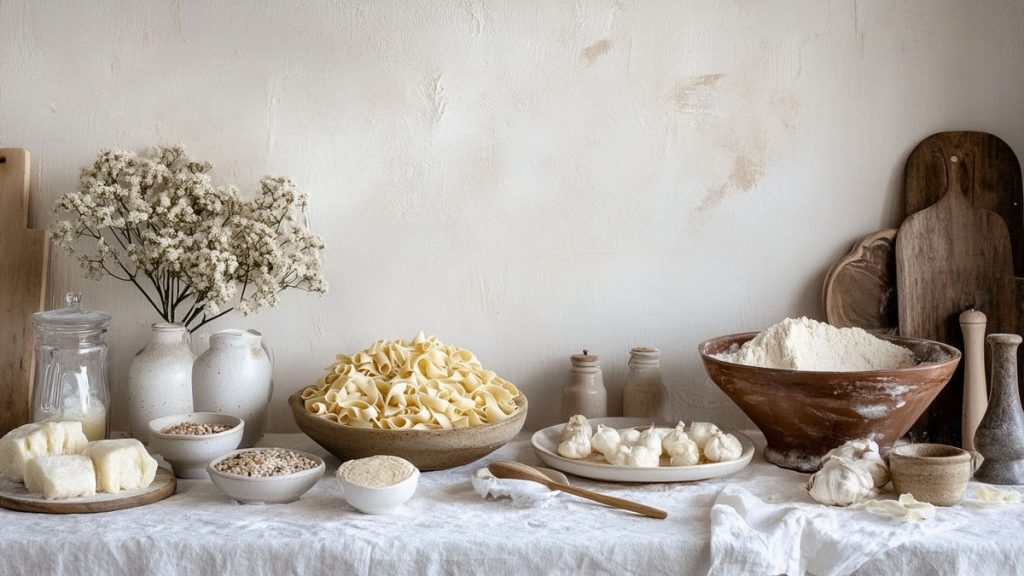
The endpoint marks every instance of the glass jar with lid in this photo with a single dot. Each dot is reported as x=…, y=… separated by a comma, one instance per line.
x=71, y=367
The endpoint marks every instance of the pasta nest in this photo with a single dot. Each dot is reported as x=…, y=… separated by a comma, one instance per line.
x=418, y=384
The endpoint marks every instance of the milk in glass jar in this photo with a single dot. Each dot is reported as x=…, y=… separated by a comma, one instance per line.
x=71, y=367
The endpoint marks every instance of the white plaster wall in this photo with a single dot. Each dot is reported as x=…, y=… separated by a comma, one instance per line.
x=523, y=178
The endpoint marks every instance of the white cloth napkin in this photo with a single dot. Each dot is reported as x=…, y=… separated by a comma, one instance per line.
x=750, y=536
x=524, y=494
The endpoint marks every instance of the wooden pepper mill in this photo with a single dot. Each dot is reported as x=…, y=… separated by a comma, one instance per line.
x=1000, y=436
x=972, y=322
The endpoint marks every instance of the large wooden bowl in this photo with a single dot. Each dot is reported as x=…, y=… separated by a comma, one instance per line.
x=426, y=449
x=803, y=415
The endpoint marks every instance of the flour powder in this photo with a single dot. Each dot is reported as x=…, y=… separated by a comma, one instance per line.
x=805, y=344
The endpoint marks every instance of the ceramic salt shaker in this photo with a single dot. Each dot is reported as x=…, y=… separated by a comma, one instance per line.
x=584, y=392
x=645, y=395
x=1000, y=436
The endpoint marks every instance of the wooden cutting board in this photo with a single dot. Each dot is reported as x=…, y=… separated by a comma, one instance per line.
x=860, y=288
x=14, y=496
x=996, y=184
x=23, y=259
x=951, y=256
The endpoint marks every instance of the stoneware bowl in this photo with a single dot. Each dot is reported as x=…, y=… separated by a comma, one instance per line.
x=934, y=473
x=426, y=449
x=379, y=499
x=267, y=490
x=189, y=454
x=803, y=415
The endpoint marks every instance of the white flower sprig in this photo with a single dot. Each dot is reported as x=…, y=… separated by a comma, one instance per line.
x=157, y=221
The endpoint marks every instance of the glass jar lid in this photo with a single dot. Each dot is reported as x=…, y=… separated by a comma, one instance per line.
x=73, y=319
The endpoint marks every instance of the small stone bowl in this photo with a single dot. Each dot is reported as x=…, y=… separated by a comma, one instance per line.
x=188, y=454
x=934, y=473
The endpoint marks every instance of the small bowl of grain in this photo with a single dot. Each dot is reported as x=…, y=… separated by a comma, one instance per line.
x=378, y=484
x=189, y=441
x=266, y=475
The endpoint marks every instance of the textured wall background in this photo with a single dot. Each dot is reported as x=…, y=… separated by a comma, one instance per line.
x=522, y=178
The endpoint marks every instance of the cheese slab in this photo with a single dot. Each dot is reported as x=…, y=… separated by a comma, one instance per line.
x=121, y=465
x=60, y=477
x=24, y=443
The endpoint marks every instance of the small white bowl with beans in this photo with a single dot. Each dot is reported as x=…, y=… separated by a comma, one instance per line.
x=266, y=475
x=189, y=441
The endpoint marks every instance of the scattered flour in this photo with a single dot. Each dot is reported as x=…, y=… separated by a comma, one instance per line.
x=805, y=344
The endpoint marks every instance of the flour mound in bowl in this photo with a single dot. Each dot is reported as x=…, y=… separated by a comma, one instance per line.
x=809, y=345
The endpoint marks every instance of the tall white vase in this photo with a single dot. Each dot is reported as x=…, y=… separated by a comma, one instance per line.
x=160, y=378
x=234, y=377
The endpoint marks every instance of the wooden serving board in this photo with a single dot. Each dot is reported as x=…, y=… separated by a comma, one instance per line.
x=14, y=496
x=949, y=257
x=23, y=260
x=995, y=186
x=860, y=288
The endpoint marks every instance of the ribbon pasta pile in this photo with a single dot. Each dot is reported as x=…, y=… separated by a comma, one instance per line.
x=418, y=384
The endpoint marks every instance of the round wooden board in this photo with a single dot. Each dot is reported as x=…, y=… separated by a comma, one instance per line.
x=860, y=289
x=14, y=496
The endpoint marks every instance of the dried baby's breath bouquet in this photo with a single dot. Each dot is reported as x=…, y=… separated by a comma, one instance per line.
x=196, y=251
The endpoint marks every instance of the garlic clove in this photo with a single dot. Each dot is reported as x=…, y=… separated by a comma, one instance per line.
x=605, y=440
x=577, y=446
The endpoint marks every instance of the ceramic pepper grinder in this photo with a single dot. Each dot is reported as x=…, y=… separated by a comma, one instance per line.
x=645, y=395
x=1000, y=436
x=584, y=392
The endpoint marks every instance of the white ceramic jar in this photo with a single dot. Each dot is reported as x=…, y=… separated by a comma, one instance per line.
x=160, y=377
x=234, y=377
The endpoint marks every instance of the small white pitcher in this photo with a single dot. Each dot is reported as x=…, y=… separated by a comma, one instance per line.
x=234, y=377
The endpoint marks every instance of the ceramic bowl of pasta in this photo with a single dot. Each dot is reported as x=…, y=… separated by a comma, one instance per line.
x=188, y=442
x=430, y=403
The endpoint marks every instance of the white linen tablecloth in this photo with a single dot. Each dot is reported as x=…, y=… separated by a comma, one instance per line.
x=757, y=521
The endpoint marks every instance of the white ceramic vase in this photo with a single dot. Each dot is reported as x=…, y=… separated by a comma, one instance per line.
x=160, y=378
x=234, y=377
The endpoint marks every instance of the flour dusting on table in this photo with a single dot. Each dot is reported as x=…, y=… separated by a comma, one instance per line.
x=805, y=344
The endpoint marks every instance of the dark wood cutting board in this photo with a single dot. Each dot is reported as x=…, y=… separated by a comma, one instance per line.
x=23, y=261
x=951, y=256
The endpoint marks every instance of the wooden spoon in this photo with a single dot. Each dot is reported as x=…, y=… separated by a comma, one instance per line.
x=519, y=471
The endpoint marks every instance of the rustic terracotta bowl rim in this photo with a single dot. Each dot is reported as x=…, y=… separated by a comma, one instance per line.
x=298, y=407
x=744, y=337
x=952, y=454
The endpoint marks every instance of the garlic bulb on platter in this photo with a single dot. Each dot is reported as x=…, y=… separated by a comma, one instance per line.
x=577, y=422
x=629, y=436
x=677, y=437
x=651, y=440
x=620, y=455
x=723, y=447
x=700, y=432
x=605, y=440
x=684, y=453
x=840, y=482
x=864, y=454
x=577, y=446
x=641, y=456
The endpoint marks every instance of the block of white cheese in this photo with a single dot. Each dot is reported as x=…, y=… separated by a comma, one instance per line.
x=62, y=476
x=121, y=464
x=30, y=441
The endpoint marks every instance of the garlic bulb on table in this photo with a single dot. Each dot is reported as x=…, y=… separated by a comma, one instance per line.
x=701, y=432
x=840, y=482
x=605, y=440
x=577, y=446
x=577, y=422
x=864, y=454
x=723, y=447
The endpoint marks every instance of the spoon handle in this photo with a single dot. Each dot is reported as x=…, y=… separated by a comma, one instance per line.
x=611, y=501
